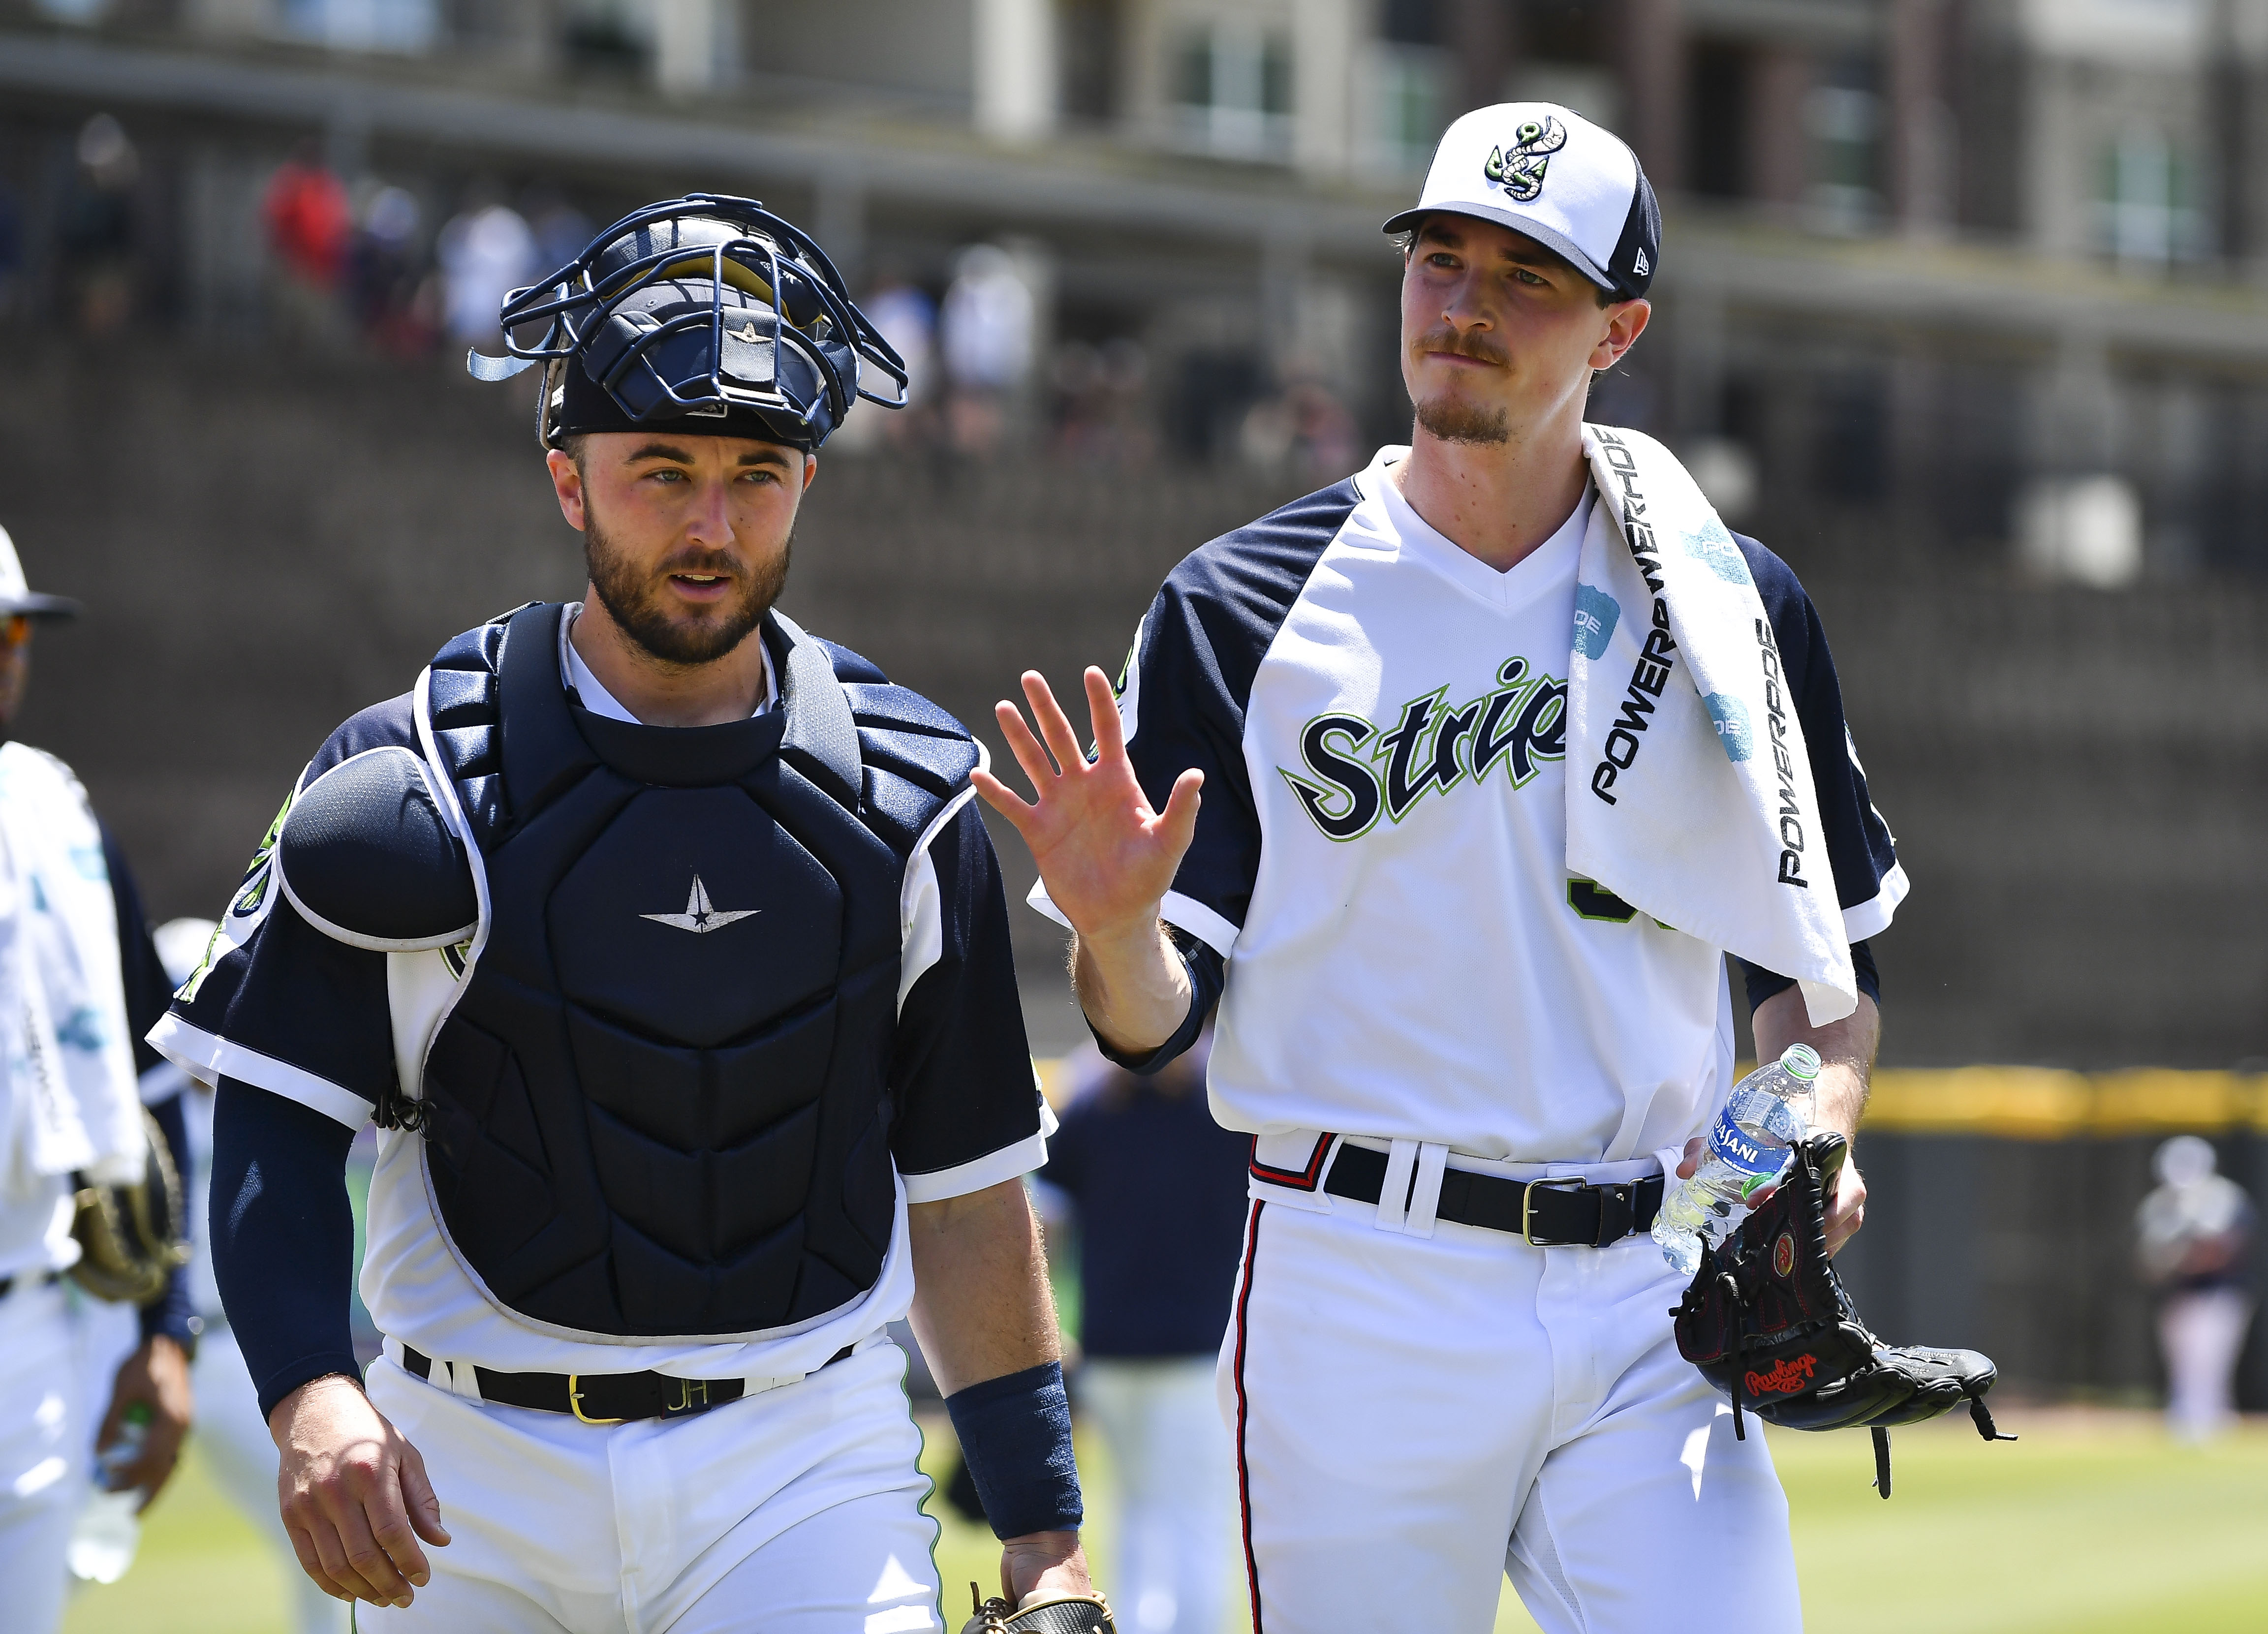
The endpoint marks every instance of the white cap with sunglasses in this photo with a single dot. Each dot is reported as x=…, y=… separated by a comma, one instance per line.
x=17, y=598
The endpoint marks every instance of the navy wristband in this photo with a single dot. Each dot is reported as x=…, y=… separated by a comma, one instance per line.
x=1015, y=1438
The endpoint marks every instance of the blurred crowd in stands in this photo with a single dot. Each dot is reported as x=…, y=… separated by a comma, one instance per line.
x=366, y=266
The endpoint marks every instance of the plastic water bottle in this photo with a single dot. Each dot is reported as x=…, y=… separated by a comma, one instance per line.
x=109, y=1531
x=1767, y=1113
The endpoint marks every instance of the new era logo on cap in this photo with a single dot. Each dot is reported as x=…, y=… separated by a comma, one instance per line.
x=1547, y=172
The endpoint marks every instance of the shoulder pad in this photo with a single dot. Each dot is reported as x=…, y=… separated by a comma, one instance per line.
x=848, y=665
x=903, y=732
x=367, y=856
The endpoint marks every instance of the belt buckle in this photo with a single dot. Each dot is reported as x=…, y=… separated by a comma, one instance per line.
x=575, y=1405
x=1552, y=1182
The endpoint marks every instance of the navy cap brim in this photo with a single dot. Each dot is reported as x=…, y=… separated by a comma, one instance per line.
x=1526, y=226
x=32, y=604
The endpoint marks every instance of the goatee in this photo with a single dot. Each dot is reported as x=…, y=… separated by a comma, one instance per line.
x=633, y=595
x=1450, y=418
x=1454, y=420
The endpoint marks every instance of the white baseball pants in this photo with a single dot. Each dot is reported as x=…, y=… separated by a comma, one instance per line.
x=1176, y=1505
x=43, y=1474
x=1417, y=1415
x=794, y=1512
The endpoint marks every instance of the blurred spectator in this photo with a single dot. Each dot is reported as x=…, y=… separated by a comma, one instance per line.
x=989, y=319
x=1305, y=428
x=96, y=233
x=310, y=230
x=2194, y=1230
x=561, y=230
x=391, y=296
x=485, y=253
x=1099, y=402
x=1159, y=1191
x=907, y=318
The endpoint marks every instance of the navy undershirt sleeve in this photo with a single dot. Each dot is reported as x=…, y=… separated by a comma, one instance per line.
x=1763, y=983
x=148, y=991
x=283, y=1238
x=1208, y=974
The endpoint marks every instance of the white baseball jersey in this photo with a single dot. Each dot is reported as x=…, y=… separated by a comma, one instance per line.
x=1380, y=854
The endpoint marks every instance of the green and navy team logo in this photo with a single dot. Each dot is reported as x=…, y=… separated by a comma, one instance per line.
x=254, y=891
x=1518, y=165
x=1356, y=773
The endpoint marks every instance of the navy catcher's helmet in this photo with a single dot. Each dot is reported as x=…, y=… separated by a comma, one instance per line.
x=706, y=309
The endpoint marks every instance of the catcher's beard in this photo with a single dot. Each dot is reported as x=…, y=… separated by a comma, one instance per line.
x=1453, y=418
x=633, y=596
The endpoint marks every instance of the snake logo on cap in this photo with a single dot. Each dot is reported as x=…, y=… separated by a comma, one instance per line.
x=1520, y=168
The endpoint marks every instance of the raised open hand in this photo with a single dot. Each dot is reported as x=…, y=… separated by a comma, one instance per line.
x=1108, y=859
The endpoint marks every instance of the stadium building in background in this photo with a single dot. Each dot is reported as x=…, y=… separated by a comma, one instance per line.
x=1941, y=276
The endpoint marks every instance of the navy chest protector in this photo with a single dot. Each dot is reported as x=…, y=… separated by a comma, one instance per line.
x=660, y=1107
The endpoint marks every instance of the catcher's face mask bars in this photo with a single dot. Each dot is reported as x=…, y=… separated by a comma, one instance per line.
x=578, y=299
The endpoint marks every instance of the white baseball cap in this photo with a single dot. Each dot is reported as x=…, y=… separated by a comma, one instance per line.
x=1547, y=172
x=17, y=596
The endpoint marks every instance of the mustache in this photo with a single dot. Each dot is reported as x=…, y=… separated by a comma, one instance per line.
x=721, y=563
x=1474, y=343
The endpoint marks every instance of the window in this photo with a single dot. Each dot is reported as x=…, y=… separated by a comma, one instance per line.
x=408, y=25
x=1409, y=106
x=1843, y=120
x=2149, y=205
x=1232, y=91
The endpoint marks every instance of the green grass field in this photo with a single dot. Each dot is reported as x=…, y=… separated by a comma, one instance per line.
x=2092, y=1524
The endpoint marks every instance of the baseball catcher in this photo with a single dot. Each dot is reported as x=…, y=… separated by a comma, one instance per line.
x=663, y=944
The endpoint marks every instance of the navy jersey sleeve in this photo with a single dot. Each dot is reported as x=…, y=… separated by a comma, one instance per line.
x=1869, y=883
x=279, y=1004
x=1187, y=684
x=969, y=1112
x=141, y=972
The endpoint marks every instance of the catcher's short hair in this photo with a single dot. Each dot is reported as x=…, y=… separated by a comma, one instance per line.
x=708, y=314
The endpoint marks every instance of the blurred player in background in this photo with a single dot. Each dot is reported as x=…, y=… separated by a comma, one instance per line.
x=79, y=981
x=238, y=1451
x=2195, y=1230
x=1158, y=1189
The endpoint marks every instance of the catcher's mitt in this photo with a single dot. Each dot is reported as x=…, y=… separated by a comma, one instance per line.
x=1769, y=1322
x=1064, y=1614
x=131, y=1238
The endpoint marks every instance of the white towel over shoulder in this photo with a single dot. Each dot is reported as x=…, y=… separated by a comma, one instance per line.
x=1688, y=787
x=68, y=1098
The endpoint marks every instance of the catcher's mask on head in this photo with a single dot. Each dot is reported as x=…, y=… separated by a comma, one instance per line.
x=708, y=313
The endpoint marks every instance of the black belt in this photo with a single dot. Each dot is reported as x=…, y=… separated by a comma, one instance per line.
x=1546, y=1213
x=603, y=1398
x=44, y=1279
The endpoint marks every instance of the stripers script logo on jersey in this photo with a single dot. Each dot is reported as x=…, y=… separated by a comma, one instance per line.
x=1357, y=773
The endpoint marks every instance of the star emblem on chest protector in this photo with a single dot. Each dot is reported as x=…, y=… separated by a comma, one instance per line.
x=699, y=917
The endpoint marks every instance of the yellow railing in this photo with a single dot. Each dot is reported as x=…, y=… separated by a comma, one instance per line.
x=2038, y=1103
x=2041, y=1103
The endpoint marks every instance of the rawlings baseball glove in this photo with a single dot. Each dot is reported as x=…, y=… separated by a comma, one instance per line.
x=1066, y=1613
x=1769, y=1322
x=131, y=1238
